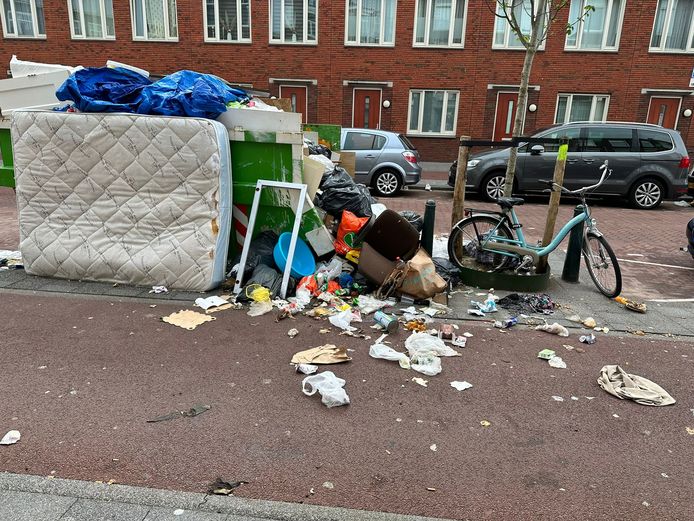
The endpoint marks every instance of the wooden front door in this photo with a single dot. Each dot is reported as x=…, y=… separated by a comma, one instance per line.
x=505, y=113
x=366, y=112
x=297, y=94
x=664, y=111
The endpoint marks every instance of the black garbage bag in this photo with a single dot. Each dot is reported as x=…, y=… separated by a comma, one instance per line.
x=260, y=252
x=339, y=192
x=320, y=149
x=447, y=270
x=269, y=278
x=690, y=237
x=416, y=220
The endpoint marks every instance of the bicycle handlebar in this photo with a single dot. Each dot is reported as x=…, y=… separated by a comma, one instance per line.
x=606, y=172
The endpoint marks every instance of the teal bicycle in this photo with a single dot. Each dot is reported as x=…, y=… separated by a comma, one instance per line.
x=494, y=241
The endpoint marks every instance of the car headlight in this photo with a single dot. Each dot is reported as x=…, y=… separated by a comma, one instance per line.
x=473, y=163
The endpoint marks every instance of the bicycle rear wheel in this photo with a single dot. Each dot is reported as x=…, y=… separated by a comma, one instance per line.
x=464, y=247
x=602, y=265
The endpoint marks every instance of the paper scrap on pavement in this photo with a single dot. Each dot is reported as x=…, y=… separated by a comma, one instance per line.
x=158, y=289
x=187, y=319
x=461, y=386
x=420, y=381
x=211, y=304
x=10, y=438
x=616, y=381
x=325, y=354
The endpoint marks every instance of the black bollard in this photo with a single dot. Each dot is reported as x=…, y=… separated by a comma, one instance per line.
x=572, y=263
x=427, y=240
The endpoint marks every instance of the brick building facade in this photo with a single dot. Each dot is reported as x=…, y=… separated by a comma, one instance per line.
x=434, y=69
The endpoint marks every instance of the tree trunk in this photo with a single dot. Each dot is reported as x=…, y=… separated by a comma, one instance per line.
x=460, y=179
x=538, y=29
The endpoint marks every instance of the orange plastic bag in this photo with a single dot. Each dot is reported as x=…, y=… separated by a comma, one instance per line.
x=350, y=225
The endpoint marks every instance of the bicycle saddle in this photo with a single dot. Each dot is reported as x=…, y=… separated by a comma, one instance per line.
x=509, y=202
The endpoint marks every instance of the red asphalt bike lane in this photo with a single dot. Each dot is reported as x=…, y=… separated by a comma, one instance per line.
x=80, y=377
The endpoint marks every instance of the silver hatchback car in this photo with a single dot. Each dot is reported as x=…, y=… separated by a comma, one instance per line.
x=385, y=161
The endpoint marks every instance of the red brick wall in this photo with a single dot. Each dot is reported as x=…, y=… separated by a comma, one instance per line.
x=622, y=75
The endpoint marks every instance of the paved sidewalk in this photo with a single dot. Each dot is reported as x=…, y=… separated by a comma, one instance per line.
x=35, y=498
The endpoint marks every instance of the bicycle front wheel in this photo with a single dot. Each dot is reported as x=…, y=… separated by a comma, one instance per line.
x=602, y=265
x=465, y=250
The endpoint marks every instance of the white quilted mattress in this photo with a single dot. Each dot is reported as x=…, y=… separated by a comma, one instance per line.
x=124, y=198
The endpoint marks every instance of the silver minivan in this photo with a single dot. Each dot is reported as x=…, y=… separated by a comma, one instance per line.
x=649, y=162
x=385, y=161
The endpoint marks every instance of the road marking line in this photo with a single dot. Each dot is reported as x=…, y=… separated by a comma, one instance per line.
x=672, y=300
x=656, y=264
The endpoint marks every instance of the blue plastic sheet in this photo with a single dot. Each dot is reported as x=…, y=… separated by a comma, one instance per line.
x=184, y=93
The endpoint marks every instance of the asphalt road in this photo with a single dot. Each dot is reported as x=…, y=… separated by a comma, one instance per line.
x=82, y=375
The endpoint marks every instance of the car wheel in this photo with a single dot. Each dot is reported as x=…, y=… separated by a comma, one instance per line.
x=493, y=186
x=646, y=194
x=387, y=183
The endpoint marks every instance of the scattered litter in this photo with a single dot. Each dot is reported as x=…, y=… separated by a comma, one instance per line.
x=329, y=485
x=324, y=331
x=664, y=475
x=427, y=187
x=325, y=354
x=646, y=504
x=420, y=381
x=690, y=431
x=555, y=329
x=603, y=329
x=224, y=488
x=292, y=332
x=187, y=319
x=387, y=322
x=632, y=305
x=213, y=303
x=475, y=312
x=461, y=386
x=467, y=335
x=517, y=303
x=10, y=438
x=368, y=304
x=159, y=289
x=574, y=318
x=485, y=423
x=683, y=204
x=431, y=489
x=429, y=365
x=421, y=343
x=505, y=324
x=546, y=354
x=488, y=306
x=615, y=415
x=416, y=326
x=590, y=322
x=574, y=398
x=306, y=368
x=557, y=362
x=433, y=447
x=178, y=512
x=568, y=347
x=343, y=320
x=190, y=413
x=258, y=309
x=638, y=332
x=587, y=339
x=330, y=387
x=385, y=352
x=557, y=398
x=621, y=384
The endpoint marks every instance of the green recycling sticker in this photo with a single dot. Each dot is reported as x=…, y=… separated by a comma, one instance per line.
x=563, y=152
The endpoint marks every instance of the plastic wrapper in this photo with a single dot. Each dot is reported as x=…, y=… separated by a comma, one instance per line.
x=330, y=387
x=421, y=344
x=555, y=329
x=270, y=278
x=385, y=352
x=347, y=232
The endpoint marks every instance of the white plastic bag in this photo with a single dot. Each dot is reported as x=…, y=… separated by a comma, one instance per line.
x=388, y=353
x=421, y=344
x=329, y=271
x=257, y=309
x=10, y=438
x=429, y=365
x=369, y=304
x=342, y=320
x=557, y=362
x=555, y=329
x=329, y=386
x=307, y=368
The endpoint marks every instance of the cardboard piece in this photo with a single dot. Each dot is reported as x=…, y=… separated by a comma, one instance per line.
x=325, y=354
x=348, y=161
x=187, y=319
x=284, y=104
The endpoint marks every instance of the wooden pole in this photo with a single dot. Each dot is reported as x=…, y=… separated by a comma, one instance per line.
x=460, y=179
x=559, y=169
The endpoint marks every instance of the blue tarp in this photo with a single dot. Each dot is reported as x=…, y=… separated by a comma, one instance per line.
x=184, y=93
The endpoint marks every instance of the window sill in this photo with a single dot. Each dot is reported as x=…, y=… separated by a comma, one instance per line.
x=609, y=51
x=669, y=51
x=85, y=39
x=294, y=44
x=155, y=40
x=438, y=136
x=13, y=37
x=425, y=46
x=229, y=42
x=353, y=44
x=513, y=49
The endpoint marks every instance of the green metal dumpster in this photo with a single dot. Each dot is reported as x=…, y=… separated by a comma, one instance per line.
x=7, y=168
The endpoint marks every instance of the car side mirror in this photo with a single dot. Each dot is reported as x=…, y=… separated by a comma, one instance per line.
x=536, y=150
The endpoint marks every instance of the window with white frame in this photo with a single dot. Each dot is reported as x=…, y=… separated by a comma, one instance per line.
x=23, y=19
x=370, y=22
x=154, y=19
x=504, y=37
x=581, y=107
x=440, y=23
x=228, y=20
x=599, y=29
x=673, y=28
x=433, y=112
x=92, y=19
x=293, y=21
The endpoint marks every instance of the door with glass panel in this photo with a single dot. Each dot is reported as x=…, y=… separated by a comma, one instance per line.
x=664, y=111
x=506, y=103
x=367, y=108
x=296, y=94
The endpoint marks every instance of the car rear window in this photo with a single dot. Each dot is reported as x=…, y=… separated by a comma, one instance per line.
x=655, y=141
x=608, y=139
x=363, y=141
x=406, y=142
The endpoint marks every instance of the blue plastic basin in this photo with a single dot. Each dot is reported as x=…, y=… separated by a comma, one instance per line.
x=303, y=263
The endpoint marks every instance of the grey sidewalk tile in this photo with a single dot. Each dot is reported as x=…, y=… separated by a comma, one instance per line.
x=25, y=506
x=90, y=510
x=167, y=514
x=9, y=277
